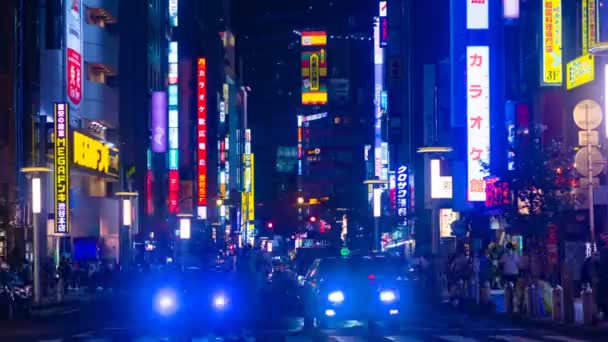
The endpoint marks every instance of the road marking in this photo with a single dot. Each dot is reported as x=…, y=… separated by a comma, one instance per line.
x=347, y=338
x=299, y=339
x=563, y=339
x=402, y=339
x=514, y=338
x=454, y=338
x=83, y=335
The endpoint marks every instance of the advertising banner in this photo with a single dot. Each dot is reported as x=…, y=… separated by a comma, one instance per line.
x=551, y=74
x=159, y=122
x=477, y=14
x=314, y=75
x=73, y=53
x=173, y=12
x=202, y=132
x=62, y=168
x=402, y=191
x=314, y=68
x=173, y=191
x=585, y=26
x=592, y=23
x=93, y=154
x=478, y=120
x=580, y=71
x=383, y=24
x=314, y=38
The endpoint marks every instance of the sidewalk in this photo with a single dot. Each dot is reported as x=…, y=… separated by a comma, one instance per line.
x=72, y=297
x=599, y=330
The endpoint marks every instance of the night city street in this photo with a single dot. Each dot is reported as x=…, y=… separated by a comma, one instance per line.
x=304, y=170
x=99, y=323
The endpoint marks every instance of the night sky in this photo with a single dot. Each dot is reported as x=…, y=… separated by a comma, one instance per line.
x=269, y=47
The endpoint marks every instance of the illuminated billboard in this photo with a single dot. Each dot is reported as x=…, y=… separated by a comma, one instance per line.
x=402, y=190
x=383, y=11
x=62, y=168
x=201, y=154
x=551, y=66
x=580, y=71
x=592, y=23
x=93, y=154
x=173, y=12
x=314, y=68
x=73, y=57
x=159, y=122
x=478, y=120
x=173, y=137
x=478, y=14
x=314, y=38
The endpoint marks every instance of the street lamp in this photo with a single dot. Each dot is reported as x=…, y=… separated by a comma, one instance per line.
x=374, y=187
x=429, y=153
x=33, y=172
x=127, y=225
x=300, y=200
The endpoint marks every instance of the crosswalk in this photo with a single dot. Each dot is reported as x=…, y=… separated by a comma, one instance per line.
x=345, y=338
x=456, y=338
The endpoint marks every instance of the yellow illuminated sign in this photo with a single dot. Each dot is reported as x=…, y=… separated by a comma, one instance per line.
x=248, y=196
x=94, y=154
x=252, y=190
x=62, y=168
x=580, y=71
x=552, y=68
x=585, y=26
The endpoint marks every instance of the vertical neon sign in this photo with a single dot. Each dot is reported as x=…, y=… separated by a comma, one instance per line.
x=173, y=130
x=62, y=169
x=202, y=137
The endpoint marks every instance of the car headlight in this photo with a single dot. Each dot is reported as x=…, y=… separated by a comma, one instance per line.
x=220, y=301
x=388, y=296
x=336, y=297
x=166, y=302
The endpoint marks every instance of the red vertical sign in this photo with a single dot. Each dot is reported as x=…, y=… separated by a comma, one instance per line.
x=173, y=191
x=202, y=131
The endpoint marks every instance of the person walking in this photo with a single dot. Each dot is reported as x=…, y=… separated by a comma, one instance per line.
x=509, y=264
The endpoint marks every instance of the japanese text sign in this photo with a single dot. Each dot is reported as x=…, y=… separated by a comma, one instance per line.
x=62, y=169
x=552, y=43
x=478, y=120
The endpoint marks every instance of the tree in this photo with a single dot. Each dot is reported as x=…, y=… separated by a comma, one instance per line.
x=541, y=182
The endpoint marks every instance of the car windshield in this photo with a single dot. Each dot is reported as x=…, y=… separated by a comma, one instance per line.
x=362, y=266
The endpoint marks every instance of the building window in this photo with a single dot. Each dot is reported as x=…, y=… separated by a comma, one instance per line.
x=99, y=17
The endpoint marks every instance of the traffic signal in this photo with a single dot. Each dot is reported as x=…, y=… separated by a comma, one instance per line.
x=269, y=225
x=313, y=219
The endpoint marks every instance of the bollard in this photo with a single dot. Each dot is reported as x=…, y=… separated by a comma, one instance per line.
x=528, y=298
x=509, y=298
x=557, y=298
x=534, y=299
x=476, y=290
x=588, y=305
x=60, y=289
x=485, y=293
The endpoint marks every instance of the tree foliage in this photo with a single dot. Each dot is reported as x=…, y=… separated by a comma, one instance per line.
x=541, y=181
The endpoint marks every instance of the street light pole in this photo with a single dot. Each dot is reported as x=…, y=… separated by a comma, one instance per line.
x=245, y=215
x=125, y=236
x=36, y=187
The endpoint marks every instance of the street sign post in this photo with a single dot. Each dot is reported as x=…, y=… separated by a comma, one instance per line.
x=589, y=161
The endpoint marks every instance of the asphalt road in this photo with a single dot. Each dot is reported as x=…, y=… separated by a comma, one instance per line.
x=105, y=321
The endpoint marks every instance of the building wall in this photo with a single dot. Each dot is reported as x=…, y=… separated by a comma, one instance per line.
x=100, y=49
x=7, y=147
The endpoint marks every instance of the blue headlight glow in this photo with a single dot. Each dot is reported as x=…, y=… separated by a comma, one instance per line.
x=388, y=296
x=336, y=297
x=220, y=301
x=165, y=302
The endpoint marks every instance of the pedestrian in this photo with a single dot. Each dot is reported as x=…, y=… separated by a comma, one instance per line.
x=509, y=264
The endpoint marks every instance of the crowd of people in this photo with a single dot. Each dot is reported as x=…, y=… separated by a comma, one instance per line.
x=488, y=270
